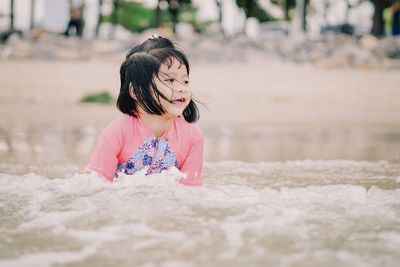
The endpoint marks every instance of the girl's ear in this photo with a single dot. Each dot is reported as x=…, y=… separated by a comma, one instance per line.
x=132, y=91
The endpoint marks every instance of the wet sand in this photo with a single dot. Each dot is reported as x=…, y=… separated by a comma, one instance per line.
x=255, y=111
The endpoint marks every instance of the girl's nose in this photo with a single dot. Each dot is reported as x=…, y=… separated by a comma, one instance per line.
x=182, y=88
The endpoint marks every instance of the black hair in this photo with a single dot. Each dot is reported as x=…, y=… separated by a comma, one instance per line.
x=139, y=69
x=146, y=46
x=150, y=44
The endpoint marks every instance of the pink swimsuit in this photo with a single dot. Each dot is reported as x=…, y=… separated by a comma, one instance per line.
x=127, y=146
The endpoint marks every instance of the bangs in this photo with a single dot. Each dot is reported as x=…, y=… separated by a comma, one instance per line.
x=167, y=56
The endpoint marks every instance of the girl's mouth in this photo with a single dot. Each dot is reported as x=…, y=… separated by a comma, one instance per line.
x=179, y=101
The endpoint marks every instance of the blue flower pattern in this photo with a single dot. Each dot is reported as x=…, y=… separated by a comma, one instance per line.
x=154, y=153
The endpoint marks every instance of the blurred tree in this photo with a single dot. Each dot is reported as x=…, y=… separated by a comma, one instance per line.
x=32, y=22
x=219, y=7
x=99, y=17
x=286, y=5
x=157, y=22
x=131, y=15
x=302, y=6
x=174, y=7
x=349, y=5
x=136, y=17
x=304, y=14
x=249, y=7
x=11, y=15
x=378, y=25
x=352, y=4
x=253, y=9
x=11, y=29
x=327, y=5
x=114, y=15
x=289, y=4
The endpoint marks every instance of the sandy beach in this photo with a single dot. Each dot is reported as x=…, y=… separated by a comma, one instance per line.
x=259, y=110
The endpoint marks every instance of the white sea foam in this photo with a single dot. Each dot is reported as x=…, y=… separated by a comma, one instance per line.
x=336, y=213
x=49, y=258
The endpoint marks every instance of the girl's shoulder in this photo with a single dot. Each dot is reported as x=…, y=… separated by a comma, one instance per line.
x=121, y=121
x=119, y=125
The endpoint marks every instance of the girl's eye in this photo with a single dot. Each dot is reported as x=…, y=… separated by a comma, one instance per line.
x=170, y=80
x=186, y=82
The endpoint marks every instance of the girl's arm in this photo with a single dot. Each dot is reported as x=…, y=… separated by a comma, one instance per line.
x=193, y=163
x=104, y=157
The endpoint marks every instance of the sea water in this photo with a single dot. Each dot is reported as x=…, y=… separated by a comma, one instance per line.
x=295, y=213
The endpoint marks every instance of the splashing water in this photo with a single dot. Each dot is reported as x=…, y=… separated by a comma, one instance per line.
x=305, y=213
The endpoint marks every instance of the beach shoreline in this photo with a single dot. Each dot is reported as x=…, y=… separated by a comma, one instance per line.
x=271, y=101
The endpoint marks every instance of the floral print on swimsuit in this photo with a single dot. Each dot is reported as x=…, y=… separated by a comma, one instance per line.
x=154, y=154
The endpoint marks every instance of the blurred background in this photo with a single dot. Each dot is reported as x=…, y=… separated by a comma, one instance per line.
x=277, y=80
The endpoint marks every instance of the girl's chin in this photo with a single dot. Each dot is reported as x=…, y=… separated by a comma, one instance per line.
x=175, y=110
x=175, y=113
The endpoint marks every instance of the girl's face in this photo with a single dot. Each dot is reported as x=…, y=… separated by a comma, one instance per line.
x=173, y=83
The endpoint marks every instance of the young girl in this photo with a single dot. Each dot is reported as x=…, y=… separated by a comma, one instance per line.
x=157, y=130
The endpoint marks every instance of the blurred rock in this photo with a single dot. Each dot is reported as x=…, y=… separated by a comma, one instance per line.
x=338, y=51
x=184, y=31
x=109, y=31
x=330, y=50
x=369, y=42
x=390, y=48
x=338, y=29
x=252, y=28
x=16, y=47
x=274, y=29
